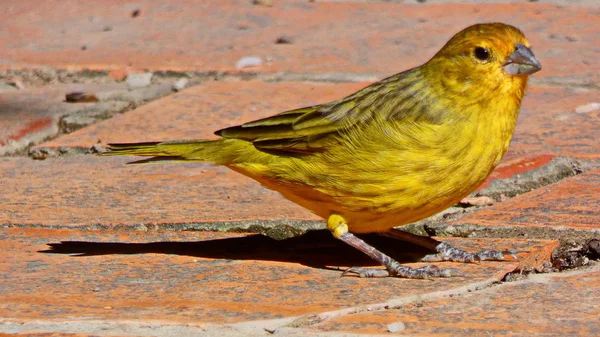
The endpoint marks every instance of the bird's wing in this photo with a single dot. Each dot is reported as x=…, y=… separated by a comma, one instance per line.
x=307, y=130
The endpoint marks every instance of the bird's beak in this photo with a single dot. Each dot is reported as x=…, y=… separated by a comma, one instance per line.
x=521, y=62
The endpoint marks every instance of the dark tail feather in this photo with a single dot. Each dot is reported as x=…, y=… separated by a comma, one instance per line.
x=189, y=150
x=157, y=160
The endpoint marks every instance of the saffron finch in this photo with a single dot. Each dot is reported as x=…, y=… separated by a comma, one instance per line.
x=395, y=152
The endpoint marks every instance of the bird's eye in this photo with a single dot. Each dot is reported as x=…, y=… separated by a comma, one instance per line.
x=482, y=54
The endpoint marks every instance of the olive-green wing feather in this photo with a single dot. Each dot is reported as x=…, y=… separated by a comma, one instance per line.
x=308, y=130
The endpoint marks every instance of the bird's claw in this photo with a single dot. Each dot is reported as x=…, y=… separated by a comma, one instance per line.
x=404, y=272
x=449, y=253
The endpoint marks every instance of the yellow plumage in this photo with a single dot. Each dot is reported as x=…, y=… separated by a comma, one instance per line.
x=397, y=151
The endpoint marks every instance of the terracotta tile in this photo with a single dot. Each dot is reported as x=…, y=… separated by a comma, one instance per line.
x=380, y=38
x=89, y=191
x=548, y=124
x=202, y=277
x=544, y=305
x=571, y=203
x=514, y=163
x=30, y=116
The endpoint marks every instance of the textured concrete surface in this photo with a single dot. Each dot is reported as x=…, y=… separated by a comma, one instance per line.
x=215, y=35
x=93, y=247
x=571, y=203
x=209, y=277
x=89, y=191
x=539, y=306
x=30, y=116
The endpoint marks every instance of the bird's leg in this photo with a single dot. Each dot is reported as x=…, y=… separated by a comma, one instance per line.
x=339, y=228
x=446, y=252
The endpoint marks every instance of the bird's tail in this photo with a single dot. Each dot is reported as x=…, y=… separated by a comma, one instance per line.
x=191, y=150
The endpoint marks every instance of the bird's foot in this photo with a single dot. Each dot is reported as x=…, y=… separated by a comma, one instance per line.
x=445, y=252
x=398, y=270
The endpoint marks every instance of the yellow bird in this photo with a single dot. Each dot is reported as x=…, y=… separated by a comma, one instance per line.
x=395, y=152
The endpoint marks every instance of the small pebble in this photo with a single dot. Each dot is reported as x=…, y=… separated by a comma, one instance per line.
x=586, y=108
x=81, y=97
x=396, y=327
x=135, y=13
x=477, y=201
x=284, y=40
x=592, y=248
x=180, y=84
x=97, y=148
x=16, y=84
x=248, y=61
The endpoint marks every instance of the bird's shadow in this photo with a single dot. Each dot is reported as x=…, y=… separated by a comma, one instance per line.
x=316, y=249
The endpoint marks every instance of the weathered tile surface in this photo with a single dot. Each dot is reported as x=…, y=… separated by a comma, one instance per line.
x=380, y=38
x=544, y=305
x=196, y=277
x=571, y=203
x=89, y=191
x=33, y=115
x=135, y=280
x=30, y=116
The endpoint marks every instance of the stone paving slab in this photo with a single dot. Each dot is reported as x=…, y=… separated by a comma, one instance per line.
x=548, y=123
x=572, y=203
x=566, y=304
x=33, y=115
x=204, y=277
x=95, y=192
x=379, y=38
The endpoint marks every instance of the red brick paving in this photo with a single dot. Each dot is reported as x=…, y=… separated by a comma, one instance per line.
x=571, y=203
x=382, y=38
x=84, y=191
x=197, y=277
x=544, y=305
x=177, y=278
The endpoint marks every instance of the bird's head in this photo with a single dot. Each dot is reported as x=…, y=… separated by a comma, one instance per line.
x=484, y=57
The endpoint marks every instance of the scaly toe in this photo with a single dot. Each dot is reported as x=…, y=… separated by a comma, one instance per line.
x=434, y=271
x=496, y=255
x=366, y=272
x=449, y=253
